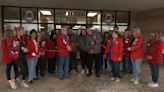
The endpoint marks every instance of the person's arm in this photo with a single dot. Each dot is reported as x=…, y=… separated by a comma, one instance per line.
x=120, y=47
x=10, y=46
x=139, y=44
x=88, y=44
x=4, y=45
x=158, y=51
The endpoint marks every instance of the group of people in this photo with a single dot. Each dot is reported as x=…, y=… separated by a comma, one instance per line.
x=30, y=53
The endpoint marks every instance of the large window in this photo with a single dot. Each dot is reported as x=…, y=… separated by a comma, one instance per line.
x=46, y=20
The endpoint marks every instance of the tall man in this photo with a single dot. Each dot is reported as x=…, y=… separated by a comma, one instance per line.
x=73, y=39
x=93, y=39
x=63, y=43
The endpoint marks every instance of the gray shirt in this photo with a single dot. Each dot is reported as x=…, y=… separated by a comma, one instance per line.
x=82, y=43
x=94, y=37
x=73, y=39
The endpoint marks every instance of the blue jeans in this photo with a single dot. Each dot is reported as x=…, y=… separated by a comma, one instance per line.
x=154, y=72
x=137, y=67
x=125, y=64
x=8, y=69
x=32, y=62
x=63, y=61
x=116, y=68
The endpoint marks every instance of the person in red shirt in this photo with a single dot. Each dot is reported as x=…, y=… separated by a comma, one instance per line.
x=104, y=42
x=5, y=58
x=42, y=60
x=63, y=43
x=33, y=55
x=116, y=29
x=51, y=45
x=115, y=53
x=137, y=53
x=154, y=56
x=17, y=49
x=126, y=53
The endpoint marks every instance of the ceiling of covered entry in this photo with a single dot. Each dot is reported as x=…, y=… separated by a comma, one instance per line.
x=118, y=5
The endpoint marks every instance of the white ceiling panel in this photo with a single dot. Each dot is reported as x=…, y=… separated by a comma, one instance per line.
x=121, y=5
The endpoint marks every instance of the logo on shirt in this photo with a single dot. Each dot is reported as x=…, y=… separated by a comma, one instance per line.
x=116, y=42
x=148, y=44
x=15, y=43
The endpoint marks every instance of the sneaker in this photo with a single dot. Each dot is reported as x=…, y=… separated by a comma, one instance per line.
x=153, y=84
x=117, y=80
x=87, y=71
x=133, y=79
x=136, y=81
x=82, y=71
x=24, y=85
x=71, y=71
x=150, y=83
x=112, y=78
x=13, y=86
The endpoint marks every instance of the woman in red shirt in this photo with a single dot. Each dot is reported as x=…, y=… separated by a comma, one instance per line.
x=154, y=56
x=17, y=49
x=6, y=36
x=115, y=53
x=42, y=60
x=126, y=53
x=33, y=55
x=137, y=53
x=51, y=43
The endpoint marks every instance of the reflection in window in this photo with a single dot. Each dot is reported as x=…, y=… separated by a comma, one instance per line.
x=95, y=27
x=107, y=28
x=122, y=28
x=46, y=15
x=70, y=16
x=94, y=17
x=29, y=27
x=47, y=28
x=122, y=18
x=108, y=18
x=10, y=26
x=11, y=14
x=29, y=15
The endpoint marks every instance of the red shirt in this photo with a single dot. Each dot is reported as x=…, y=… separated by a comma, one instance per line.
x=32, y=48
x=14, y=47
x=126, y=45
x=156, y=52
x=5, y=58
x=51, y=46
x=43, y=45
x=62, y=44
x=116, y=49
x=137, y=50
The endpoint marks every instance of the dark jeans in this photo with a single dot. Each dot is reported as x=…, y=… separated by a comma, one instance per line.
x=51, y=64
x=74, y=60
x=8, y=69
x=125, y=64
x=22, y=64
x=116, y=68
x=101, y=61
x=40, y=66
x=84, y=58
x=154, y=72
x=130, y=65
x=90, y=62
